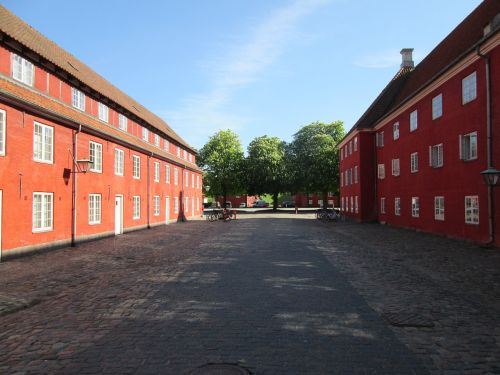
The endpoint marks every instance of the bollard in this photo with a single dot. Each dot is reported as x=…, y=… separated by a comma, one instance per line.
x=296, y=210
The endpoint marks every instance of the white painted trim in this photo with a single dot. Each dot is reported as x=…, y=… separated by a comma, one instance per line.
x=121, y=213
x=167, y=210
x=4, y=133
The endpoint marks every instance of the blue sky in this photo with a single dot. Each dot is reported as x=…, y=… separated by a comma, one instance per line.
x=257, y=67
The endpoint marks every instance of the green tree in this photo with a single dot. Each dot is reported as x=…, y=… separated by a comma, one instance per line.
x=221, y=159
x=265, y=167
x=314, y=158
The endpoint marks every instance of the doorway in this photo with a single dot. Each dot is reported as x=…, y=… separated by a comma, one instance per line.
x=118, y=214
x=167, y=210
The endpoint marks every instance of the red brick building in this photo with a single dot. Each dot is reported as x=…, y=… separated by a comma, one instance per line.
x=414, y=158
x=55, y=113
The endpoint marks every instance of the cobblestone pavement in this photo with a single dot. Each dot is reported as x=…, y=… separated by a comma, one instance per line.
x=276, y=294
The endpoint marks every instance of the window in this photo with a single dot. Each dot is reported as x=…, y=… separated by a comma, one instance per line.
x=198, y=185
x=379, y=140
x=95, y=157
x=119, y=162
x=43, y=143
x=341, y=154
x=145, y=134
x=167, y=174
x=436, y=156
x=382, y=205
x=342, y=204
x=3, y=130
x=42, y=211
x=355, y=174
x=136, y=207
x=472, y=209
x=468, y=146
x=176, y=205
x=192, y=180
x=178, y=152
x=156, y=205
x=103, y=112
x=352, y=204
x=190, y=158
x=122, y=122
x=176, y=176
x=350, y=147
x=437, y=106
x=186, y=204
x=186, y=178
x=136, y=166
x=341, y=179
x=166, y=145
x=94, y=209
x=414, y=162
x=415, y=207
x=347, y=178
x=439, y=208
x=157, y=171
x=381, y=171
x=157, y=140
x=397, y=206
x=185, y=154
x=22, y=70
x=356, y=144
x=78, y=99
x=413, y=120
x=469, y=88
x=356, y=204
x=395, y=167
x=395, y=131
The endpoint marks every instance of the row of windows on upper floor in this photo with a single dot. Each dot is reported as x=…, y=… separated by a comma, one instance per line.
x=469, y=93
x=43, y=152
x=471, y=207
x=24, y=71
x=467, y=152
x=43, y=209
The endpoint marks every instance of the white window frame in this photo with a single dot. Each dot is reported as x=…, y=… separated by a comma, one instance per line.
x=145, y=134
x=103, y=112
x=198, y=179
x=156, y=205
x=22, y=70
x=341, y=179
x=46, y=212
x=379, y=139
x=341, y=154
x=77, y=99
x=157, y=140
x=397, y=206
x=469, y=88
x=95, y=209
x=136, y=207
x=43, y=143
x=176, y=205
x=352, y=204
x=382, y=205
x=192, y=180
x=178, y=152
x=472, y=209
x=355, y=174
x=176, y=176
x=122, y=122
x=156, y=172
x=3, y=131
x=119, y=162
x=414, y=162
x=437, y=106
x=395, y=131
x=356, y=208
x=436, y=156
x=136, y=166
x=396, y=167
x=415, y=206
x=167, y=174
x=413, y=120
x=468, y=146
x=355, y=144
x=381, y=171
x=184, y=154
x=186, y=178
x=95, y=156
x=186, y=205
x=166, y=145
x=439, y=208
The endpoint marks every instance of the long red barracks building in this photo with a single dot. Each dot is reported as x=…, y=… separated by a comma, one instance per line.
x=414, y=158
x=59, y=118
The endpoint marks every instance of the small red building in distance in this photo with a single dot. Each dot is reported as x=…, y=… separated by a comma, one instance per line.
x=58, y=118
x=414, y=158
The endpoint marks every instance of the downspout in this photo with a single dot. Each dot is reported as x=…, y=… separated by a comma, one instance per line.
x=73, y=186
x=489, y=143
x=149, y=191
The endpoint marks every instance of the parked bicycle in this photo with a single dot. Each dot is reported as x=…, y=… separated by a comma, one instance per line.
x=224, y=215
x=328, y=214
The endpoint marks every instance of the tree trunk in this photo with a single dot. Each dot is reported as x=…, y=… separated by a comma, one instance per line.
x=275, y=201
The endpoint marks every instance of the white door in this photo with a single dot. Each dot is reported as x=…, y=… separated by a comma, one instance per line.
x=0, y=225
x=167, y=210
x=118, y=214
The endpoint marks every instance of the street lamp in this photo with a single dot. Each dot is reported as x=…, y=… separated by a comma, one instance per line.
x=491, y=176
x=81, y=166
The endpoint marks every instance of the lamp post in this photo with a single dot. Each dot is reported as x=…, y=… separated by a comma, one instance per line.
x=491, y=177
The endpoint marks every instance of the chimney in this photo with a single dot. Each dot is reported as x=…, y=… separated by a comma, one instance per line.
x=407, y=62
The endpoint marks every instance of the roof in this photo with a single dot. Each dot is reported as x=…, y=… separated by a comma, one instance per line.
x=407, y=83
x=30, y=38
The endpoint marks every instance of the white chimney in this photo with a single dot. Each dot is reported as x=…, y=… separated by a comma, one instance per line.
x=407, y=62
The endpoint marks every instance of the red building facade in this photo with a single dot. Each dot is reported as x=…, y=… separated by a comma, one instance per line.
x=415, y=157
x=56, y=113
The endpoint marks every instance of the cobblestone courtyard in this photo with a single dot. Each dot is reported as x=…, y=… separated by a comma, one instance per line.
x=275, y=294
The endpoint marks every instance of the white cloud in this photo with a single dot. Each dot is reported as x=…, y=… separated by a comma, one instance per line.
x=203, y=114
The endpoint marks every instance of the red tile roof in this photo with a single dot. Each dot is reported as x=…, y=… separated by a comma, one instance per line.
x=30, y=38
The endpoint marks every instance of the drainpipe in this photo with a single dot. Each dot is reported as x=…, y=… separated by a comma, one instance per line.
x=149, y=191
x=489, y=143
x=73, y=186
